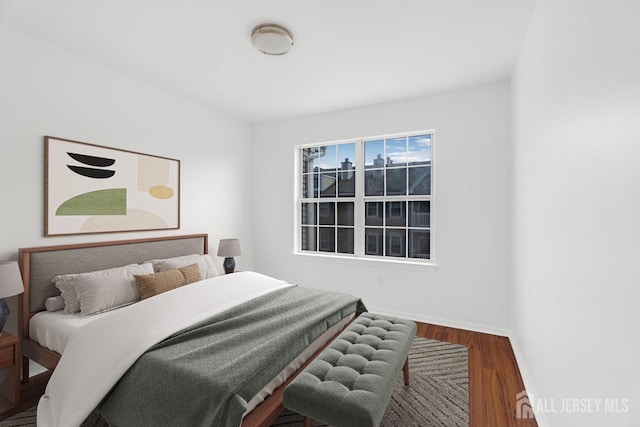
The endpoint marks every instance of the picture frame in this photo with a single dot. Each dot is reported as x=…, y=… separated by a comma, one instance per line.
x=92, y=188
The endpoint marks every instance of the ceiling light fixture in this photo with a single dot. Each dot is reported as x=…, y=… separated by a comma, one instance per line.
x=271, y=39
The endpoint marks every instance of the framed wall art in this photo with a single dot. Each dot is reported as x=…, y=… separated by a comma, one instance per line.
x=95, y=189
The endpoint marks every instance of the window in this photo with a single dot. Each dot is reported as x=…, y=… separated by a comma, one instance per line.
x=367, y=198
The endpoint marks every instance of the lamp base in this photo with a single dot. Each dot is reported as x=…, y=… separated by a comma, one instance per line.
x=229, y=265
x=4, y=314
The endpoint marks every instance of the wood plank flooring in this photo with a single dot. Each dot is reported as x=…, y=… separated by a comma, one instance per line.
x=494, y=378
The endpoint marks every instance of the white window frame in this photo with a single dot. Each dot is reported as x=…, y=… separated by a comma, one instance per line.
x=360, y=243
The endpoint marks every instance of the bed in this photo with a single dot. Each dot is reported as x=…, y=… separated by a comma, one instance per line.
x=197, y=328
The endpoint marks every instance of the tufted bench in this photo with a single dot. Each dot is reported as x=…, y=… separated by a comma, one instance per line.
x=350, y=383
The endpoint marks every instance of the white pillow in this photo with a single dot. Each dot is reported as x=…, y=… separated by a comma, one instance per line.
x=65, y=284
x=103, y=290
x=207, y=268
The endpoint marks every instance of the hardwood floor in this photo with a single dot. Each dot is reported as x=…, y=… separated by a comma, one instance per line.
x=494, y=377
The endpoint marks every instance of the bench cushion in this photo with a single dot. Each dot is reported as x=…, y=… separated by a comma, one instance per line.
x=351, y=381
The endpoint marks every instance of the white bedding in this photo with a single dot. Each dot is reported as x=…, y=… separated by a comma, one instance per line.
x=53, y=329
x=97, y=354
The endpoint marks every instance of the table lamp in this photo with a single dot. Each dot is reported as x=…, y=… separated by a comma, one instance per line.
x=229, y=248
x=10, y=285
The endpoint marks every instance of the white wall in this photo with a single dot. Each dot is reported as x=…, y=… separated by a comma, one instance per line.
x=45, y=90
x=576, y=203
x=470, y=286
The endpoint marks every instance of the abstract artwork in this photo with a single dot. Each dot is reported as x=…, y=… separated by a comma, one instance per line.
x=96, y=189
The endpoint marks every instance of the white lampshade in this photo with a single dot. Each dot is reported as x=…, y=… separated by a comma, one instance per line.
x=229, y=247
x=10, y=279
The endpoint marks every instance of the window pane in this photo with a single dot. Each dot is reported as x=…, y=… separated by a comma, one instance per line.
x=309, y=156
x=396, y=213
x=395, y=242
x=345, y=213
x=347, y=183
x=309, y=241
x=420, y=180
x=419, y=244
x=373, y=213
x=327, y=239
x=346, y=173
x=396, y=151
x=327, y=184
x=420, y=149
x=347, y=156
x=374, y=183
x=309, y=214
x=310, y=186
x=328, y=159
x=373, y=241
x=396, y=182
x=345, y=240
x=374, y=154
x=327, y=214
x=419, y=214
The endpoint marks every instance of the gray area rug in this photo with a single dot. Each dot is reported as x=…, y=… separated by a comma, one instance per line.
x=438, y=395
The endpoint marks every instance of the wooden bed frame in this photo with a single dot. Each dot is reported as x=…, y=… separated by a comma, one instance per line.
x=40, y=264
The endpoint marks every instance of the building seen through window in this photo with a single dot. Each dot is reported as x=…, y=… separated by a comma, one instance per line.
x=394, y=197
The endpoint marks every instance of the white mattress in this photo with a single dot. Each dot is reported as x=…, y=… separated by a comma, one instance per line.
x=53, y=329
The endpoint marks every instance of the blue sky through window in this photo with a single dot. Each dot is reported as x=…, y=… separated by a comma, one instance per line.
x=418, y=149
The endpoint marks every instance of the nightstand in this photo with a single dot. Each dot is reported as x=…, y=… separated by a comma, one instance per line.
x=9, y=372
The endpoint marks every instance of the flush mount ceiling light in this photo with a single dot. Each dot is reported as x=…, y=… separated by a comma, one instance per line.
x=271, y=39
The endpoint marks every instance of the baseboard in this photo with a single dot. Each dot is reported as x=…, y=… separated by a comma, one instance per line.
x=541, y=419
x=475, y=327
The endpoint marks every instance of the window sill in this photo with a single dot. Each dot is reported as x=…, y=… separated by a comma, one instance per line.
x=378, y=262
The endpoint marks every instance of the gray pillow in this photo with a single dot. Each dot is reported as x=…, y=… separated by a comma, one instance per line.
x=102, y=290
x=54, y=303
x=205, y=263
x=65, y=285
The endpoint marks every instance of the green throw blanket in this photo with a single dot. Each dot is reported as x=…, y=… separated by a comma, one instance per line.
x=206, y=375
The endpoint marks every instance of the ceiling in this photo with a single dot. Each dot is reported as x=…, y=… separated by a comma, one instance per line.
x=347, y=53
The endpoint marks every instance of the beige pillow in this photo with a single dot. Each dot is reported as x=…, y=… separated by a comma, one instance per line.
x=191, y=273
x=154, y=284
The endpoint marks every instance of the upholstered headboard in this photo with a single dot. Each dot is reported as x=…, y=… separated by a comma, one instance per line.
x=40, y=265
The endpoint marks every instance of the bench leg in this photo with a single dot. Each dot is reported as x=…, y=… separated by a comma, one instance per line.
x=308, y=422
x=405, y=369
